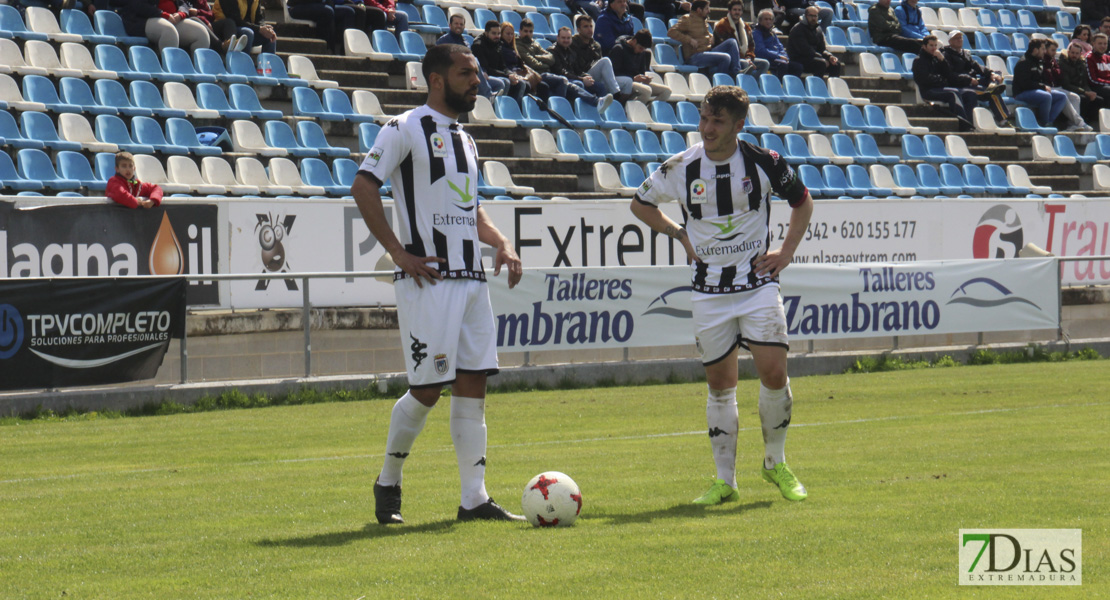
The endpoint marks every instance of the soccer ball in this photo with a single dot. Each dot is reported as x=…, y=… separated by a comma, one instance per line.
x=551, y=499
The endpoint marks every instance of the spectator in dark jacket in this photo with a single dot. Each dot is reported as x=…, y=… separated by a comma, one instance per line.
x=1054, y=79
x=1093, y=11
x=595, y=64
x=886, y=29
x=487, y=49
x=1030, y=87
x=612, y=24
x=567, y=64
x=796, y=10
x=967, y=73
x=933, y=77
x=769, y=48
x=631, y=57
x=1098, y=67
x=243, y=18
x=669, y=9
x=1073, y=77
x=807, y=46
x=455, y=26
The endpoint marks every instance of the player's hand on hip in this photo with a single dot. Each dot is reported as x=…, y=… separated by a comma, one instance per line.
x=772, y=263
x=507, y=256
x=419, y=267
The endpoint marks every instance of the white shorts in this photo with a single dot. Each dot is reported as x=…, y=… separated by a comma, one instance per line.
x=723, y=321
x=445, y=328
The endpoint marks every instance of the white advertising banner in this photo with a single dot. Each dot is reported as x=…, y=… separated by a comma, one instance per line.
x=619, y=307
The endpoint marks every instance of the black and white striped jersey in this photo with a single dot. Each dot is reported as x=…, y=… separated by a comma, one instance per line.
x=726, y=207
x=432, y=165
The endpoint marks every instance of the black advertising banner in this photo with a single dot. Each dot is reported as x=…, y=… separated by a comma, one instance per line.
x=67, y=332
x=79, y=240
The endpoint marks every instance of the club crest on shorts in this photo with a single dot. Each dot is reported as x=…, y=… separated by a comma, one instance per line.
x=439, y=145
x=441, y=364
x=699, y=192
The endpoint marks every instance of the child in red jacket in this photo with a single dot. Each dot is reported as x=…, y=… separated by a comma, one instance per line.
x=127, y=190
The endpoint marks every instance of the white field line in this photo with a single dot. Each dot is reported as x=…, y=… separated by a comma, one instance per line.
x=555, y=442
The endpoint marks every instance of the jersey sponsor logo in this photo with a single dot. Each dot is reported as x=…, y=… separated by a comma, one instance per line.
x=645, y=186
x=441, y=364
x=466, y=199
x=439, y=145
x=375, y=155
x=699, y=192
x=724, y=231
x=787, y=177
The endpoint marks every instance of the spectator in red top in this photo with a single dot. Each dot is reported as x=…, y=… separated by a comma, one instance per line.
x=1098, y=67
x=192, y=33
x=383, y=14
x=127, y=190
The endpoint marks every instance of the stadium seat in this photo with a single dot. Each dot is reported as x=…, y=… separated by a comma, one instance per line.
x=145, y=95
x=38, y=126
x=306, y=103
x=217, y=171
x=34, y=165
x=984, y=123
x=543, y=145
x=1028, y=23
x=367, y=133
x=284, y=172
x=144, y=59
x=183, y=171
x=957, y=147
x=648, y=144
x=179, y=62
x=811, y=178
x=894, y=120
x=11, y=179
x=357, y=43
x=619, y=149
x=251, y=172
x=666, y=59
x=935, y=147
x=74, y=165
x=819, y=146
x=111, y=58
x=796, y=147
x=869, y=147
x=312, y=135
x=497, y=174
x=663, y=114
x=562, y=107
x=839, y=89
x=750, y=85
x=336, y=101
x=842, y=145
x=77, y=23
x=588, y=112
x=819, y=92
x=279, y=135
x=180, y=132
x=836, y=40
x=244, y=99
x=12, y=25
x=969, y=20
x=12, y=61
x=211, y=97
x=344, y=171
x=617, y=114
x=315, y=172
x=996, y=176
x=386, y=44
x=241, y=63
x=1043, y=151
x=1020, y=178
x=76, y=57
x=951, y=175
x=929, y=177
x=150, y=170
x=1066, y=148
x=109, y=24
x=37, y=88
x=973, y=175
x=688, y=114
x=302, y=67
x=631, y=175
x=208, y=62
x=11, y=136
x=1027, y=121
x=606, y=179
x=482, y=114
x=111, y=129
x=247, y=137
x=680, y=89
x=892, y=64
x=74, y=128
x=759, y=121
x=508, y=109
x=533, y=112
x=870, y=66
x=772, y=142
x=271, y=66
x=673, y=143
x=834, y=178
x=1101, y=146
x=110, y=92
x=146, y=130
x=772, y=88
x=699, y=84
x=804, y=117
x=12, y=99
x=568, y=142
x=851, y=119
x=1100, y=175
x=882, y=178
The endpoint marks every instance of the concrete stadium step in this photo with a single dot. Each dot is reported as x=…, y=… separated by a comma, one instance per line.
x=302, y=45
x=543, y=167
x=548, y=185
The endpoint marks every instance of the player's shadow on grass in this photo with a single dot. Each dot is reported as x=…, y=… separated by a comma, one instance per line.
x=683, y=511
x=369, y=532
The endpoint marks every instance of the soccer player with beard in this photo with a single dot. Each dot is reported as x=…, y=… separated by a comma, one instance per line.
x=443, y=306
x=724, y=187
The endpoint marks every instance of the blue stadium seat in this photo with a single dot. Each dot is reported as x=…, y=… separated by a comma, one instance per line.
x=744, y=136
x=843, y=145
x=914, y=149
x=483, y=15
x=811, y=178
x=875, y=117
x=588, y=113
x=858, y=178
x=11, y=179
x=928, y=176
x=38, y=126
x=568, y=141
x=853, y=18
x=385, y=42
x=817, y=90
x=10, y=134
x=416, y=20
x=181, y=132
x=934, y=146
x=648, y=144
x=851, y=119
x=796, y=146
x=542, y=27
x=869, y=147
x=1027, y=121
x=772, y=88
x=35, y=165
x=178, y=61
x=107, y=23
x=860, y=41
x=773, y=142
x=1028, y=23
x=615, y=114
x=435, y=17
x=75, y=91
x=272, y=66
x=335, y=100
x=344, y=171
x=144, y=59
x=658, y=31
x=595, y=142
x=688, y=113
x=111, y=58
x=996, y=176
x=666, y=56
x=892, y=64
x=112, y=130
x=1065, y=147
x=209, y=62
x=982, y=46
x=242, y=97
x=312, y=136
x=145, y=94
x=110, y=92
x=834, y=178
x=662, y=112
x=904, y=176
x=506, y=108
x=951, y=176
x=624, y=143
x=241, y=63
x=562, y=10
x=413, y=44
x=280, y=135
x=631, y=174
x=673, y=143
x=307, y=104
x=1021, y=43
x=1002, y=45
x=562, y=107
x=1066, y=22
x=1102, y=146
x=316, y=172
x=74, y=165
x=78, y=23
x=533, y=112
x=804, y=117
x=104, y=165
x=146, y=130
x=835, y=36
x=367, y=133
x=37, y=88
x=211, y=96
x=12, y=25
x=485, y=189
x=973, y=175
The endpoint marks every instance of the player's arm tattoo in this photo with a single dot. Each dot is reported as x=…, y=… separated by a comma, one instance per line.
x=676, y=232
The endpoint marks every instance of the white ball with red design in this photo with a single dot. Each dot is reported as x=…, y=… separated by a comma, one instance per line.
x=551, y=499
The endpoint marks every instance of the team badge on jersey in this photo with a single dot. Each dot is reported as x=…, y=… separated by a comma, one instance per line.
x=747, y=183
x=439, y=146
x=375, y=156
x=441, y=364
x=699, y=192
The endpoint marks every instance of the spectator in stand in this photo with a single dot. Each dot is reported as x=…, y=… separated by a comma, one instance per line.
x=1098, y=68
x=909, y=15
x=631, y=57
x=486, y=87
x=1082, y=36
x=146, y=18
x=383, y=14
x=1073, y=75
x=1054, y=79
x=612, y=24
x=806, y=45
x=541, y=61
x=243, y=19
x=1093, y=11
x=192, y=32
x=692, y=31
x=330, y=20
x=1104, y=26
x=732, y=26
x=796, y=10
x=769, y=48
x=455, y=26
x=590, y=7
x=514, y=64
x=567, y=64
x=1029, y=85
x=934, y=78
x=590, y=61
x=967, y=73
x=668, y=9
x=886, y=29
x=126, y=189
x=487, y=49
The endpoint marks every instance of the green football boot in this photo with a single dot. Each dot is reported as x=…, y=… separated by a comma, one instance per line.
x=782, y=476
x=718, y=493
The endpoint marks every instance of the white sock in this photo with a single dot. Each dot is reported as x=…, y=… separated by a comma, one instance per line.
x=723, y=419
x=774, y=414
x=468, y=432
x=405, y=424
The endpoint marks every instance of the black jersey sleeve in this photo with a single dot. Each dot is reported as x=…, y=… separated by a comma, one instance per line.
x=784, y=179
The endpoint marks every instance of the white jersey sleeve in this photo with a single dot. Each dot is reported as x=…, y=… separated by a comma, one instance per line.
x=661, y=186
x=390, y=147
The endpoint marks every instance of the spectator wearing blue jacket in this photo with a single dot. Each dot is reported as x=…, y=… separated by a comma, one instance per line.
x=909, y=15
x=769, y=48
x=612, y=24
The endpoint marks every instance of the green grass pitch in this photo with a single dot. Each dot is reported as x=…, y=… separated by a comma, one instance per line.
x=277, y=502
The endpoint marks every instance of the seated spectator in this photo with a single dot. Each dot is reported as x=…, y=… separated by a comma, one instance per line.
x=668, y=9
x=515, y=65
x=192, y=33
x=692, y=31
x=383, y=14
x=1104, y=26
x=1082, y=36
x=796, y=10
x=1054, y=79
x=732, y=26
x=806, y=45
x=909, y=15
x=242, y=19
x=491, y=61
x=967, y=73
x=331, y=20
x=1073, y=76
x=592, y=8
x=455, y=26
x=486, y=87
x=543, y=62
x=590, y=60
x=126, y=189
x=1094, y=11
x=1098, y=68
x=612, y=24
x=886, y=29
x=567, y=64
x=1029, y=85
x=631, y=57
x=933, y=77
x=146, y=18
x=769, y=48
